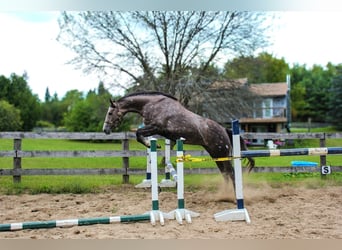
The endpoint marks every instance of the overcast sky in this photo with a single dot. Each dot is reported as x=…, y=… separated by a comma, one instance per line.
x=28, y=44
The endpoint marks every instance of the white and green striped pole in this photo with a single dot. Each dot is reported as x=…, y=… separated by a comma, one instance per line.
x=167, y=182
x=73, y=222
x=146, y=183
x=155, y=214
x=181, y=213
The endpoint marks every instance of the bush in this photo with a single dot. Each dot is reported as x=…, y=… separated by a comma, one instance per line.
x=10, y=117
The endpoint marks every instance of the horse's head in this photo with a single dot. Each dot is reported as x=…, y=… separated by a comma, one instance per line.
x=113, y=117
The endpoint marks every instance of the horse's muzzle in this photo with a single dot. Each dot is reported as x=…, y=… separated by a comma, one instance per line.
x=106, y=129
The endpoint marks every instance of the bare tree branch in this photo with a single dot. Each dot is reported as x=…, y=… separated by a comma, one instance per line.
x=170, y=51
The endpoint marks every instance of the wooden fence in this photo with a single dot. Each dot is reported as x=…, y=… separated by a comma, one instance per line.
x=17, y=153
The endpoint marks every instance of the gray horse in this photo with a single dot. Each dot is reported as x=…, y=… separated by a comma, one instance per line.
x=164, y=115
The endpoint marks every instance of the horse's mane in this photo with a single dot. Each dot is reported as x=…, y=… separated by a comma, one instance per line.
x=148, y=93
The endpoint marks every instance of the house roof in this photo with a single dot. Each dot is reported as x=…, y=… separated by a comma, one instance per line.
x=269, y=89
x=228, y=84
x=262, y=89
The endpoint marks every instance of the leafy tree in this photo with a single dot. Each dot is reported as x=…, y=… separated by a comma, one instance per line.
x=314, y=85
x=170, y=51
x=299, y=105
x=87, y=114
x=10, y=117
x=261, y=69
x=16, y=91
x=52, y=110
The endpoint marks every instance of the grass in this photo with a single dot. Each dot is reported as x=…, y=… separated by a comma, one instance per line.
x=89, y=184
x=328, y=129
x=97, y=184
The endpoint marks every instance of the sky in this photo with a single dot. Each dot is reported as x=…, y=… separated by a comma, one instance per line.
x=28, y=44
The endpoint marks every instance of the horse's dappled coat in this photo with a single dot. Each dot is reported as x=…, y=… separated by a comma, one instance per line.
x=163, y=115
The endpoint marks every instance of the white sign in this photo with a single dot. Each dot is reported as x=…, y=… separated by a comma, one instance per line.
x=326, y=170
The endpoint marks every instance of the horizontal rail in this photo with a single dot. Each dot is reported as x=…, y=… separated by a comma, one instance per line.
x=131, y=135
x=293, y=136
x=89, y=153
x=68, y=135
x=133, y=171
x=291, y=152
x=73, y=222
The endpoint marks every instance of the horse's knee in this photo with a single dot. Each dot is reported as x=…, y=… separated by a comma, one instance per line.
x=142, y=139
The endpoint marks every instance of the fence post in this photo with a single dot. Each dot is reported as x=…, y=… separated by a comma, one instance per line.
x=125, y=160
x=323, y=158
x=16, y=161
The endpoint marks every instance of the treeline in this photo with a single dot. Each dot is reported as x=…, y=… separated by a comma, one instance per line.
x=316, y=93
x=21, y=110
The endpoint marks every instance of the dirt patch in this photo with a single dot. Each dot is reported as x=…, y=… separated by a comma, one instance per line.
x=276, y=213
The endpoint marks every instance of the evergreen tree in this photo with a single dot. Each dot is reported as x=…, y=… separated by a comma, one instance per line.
x=47, y=95
x=335, y=114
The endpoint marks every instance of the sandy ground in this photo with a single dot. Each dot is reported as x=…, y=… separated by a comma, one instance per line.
x=276, y=213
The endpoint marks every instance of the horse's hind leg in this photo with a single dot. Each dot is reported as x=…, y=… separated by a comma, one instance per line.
x=163, y=161
x=227, y=171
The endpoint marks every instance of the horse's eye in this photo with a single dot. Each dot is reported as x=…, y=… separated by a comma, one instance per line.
x=110, y=113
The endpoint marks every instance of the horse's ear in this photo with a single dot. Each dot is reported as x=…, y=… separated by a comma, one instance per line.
x=112, y=103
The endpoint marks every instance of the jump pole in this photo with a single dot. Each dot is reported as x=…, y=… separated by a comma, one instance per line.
x=181, y=213
x=292, y=152
x=240, y=213
x=73, y=222
x=153, y=216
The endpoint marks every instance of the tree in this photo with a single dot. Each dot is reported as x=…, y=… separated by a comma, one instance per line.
x=159, y=50
x=261, y=69
x=335, y=103
x=52, y=110
x=315, y=85
x=10, y=117
x=47, y=95
x=299, y=105
x=16, y=91
x=87, y=114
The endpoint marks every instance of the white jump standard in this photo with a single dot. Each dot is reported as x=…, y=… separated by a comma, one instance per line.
x=155, y=214
x=146, y=183
x=167, y=182
x=240, y=213
x=181, y=213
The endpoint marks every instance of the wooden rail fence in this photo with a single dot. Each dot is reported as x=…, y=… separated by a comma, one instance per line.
x=17, y=153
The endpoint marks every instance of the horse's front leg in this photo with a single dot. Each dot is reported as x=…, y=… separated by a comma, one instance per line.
x=144, y=132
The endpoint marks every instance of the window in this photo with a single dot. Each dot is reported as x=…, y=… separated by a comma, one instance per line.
x=267, y=108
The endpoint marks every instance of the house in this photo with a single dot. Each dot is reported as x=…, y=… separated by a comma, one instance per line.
x=270, y=111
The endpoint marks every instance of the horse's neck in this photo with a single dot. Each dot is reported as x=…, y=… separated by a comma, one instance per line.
x=133, y=104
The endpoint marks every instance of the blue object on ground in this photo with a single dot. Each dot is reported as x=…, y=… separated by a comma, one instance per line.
x=304, y=164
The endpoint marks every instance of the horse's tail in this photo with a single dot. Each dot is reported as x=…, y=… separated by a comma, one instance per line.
x=251, y=161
